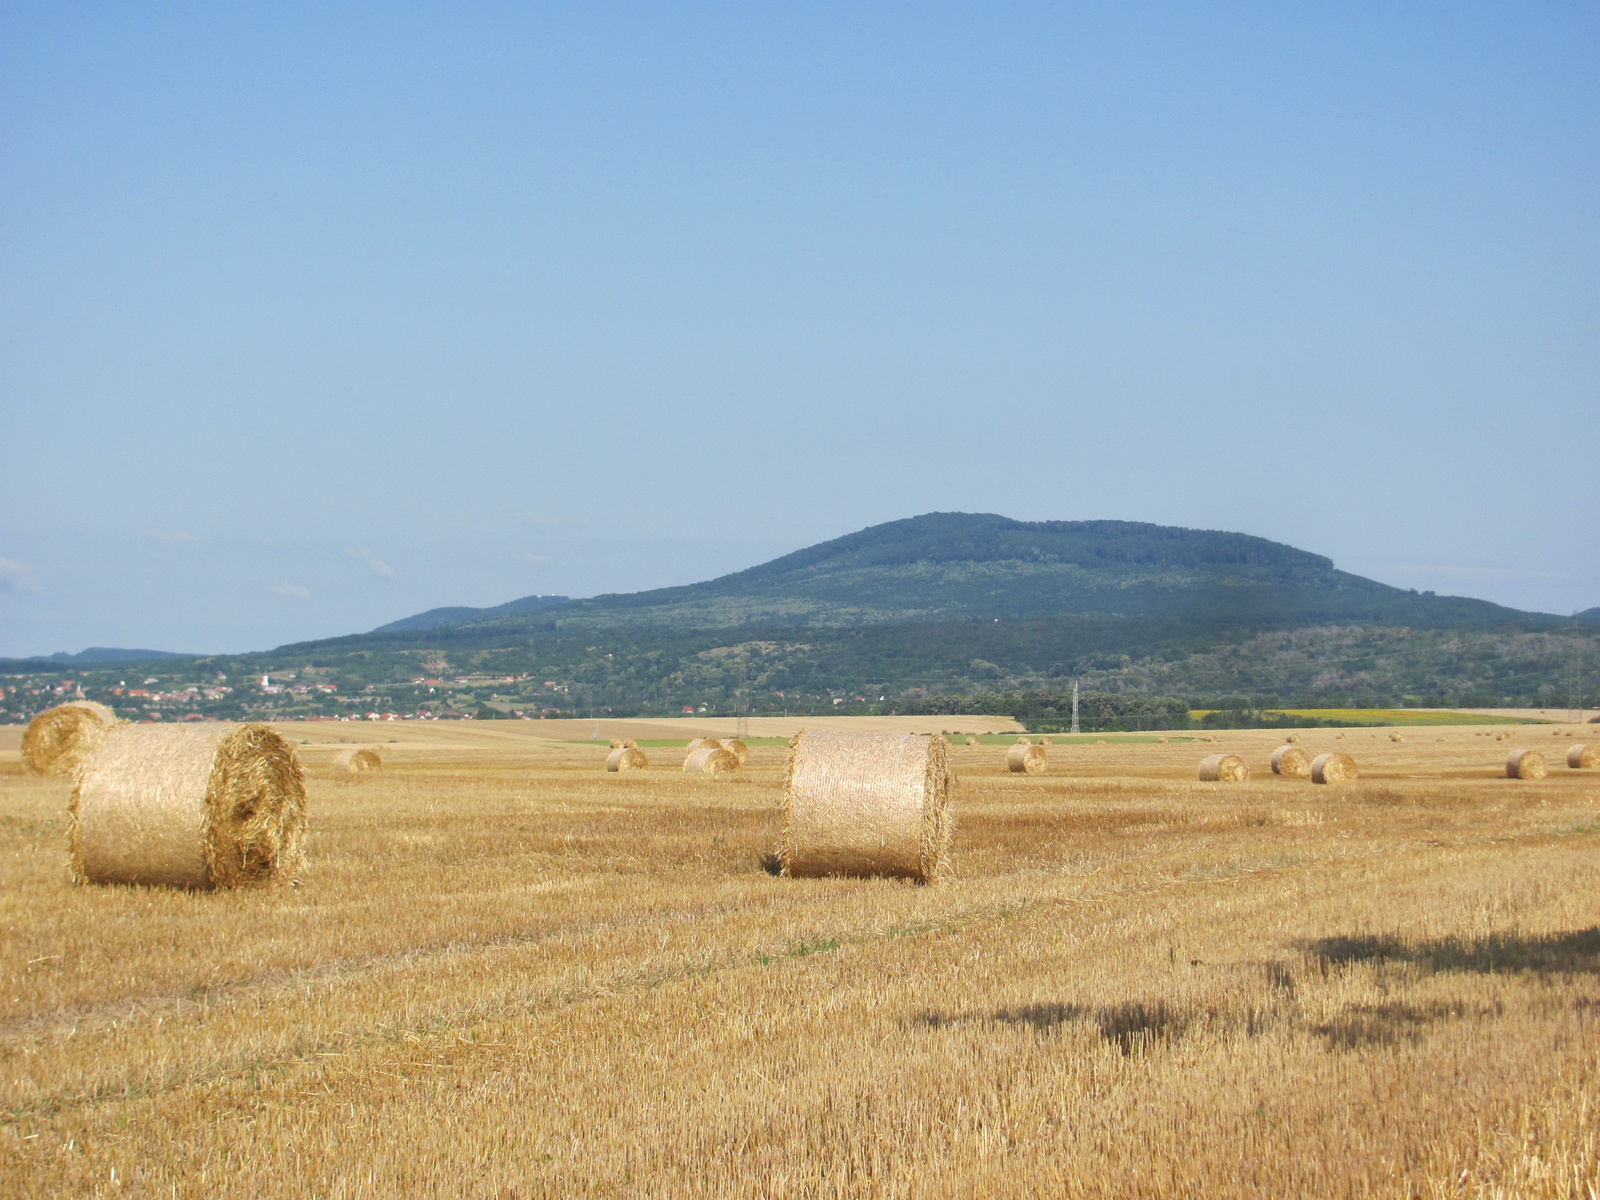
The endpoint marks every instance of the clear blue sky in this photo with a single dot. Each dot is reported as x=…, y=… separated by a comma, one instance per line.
x=316, y=315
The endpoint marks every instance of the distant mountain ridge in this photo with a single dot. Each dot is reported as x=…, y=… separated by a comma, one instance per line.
x=434, y=618
x=103, y=654
x=980, y=566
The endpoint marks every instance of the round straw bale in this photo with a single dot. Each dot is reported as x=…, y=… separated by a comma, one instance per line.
x=1163, y=741
x=357, y=761
x=626, y=758
x=1397, y=737
x=1292, y=738
x=1332, y=768
x=1583, y=755
x=197, y=806
x=630, y=744
x=972, y=741
x=711, y=761
x=616, y=743
x=1022, y=741
x=1525, y=764
x=1223, y=768
x=738, y=749
x=1291, y=761
x=700, y=743
x=59, y=739
x=1026, y=760
x=1047, y=741
x=866, y=804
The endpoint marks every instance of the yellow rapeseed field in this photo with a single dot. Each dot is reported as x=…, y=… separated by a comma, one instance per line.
x=510, y=974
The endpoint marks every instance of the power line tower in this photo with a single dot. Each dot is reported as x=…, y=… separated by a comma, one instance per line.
x=1074, y=706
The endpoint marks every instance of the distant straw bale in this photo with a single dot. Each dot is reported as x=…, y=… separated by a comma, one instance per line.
x=711, y=761
x=701, y=743
x=60, y=739
x=1525, y=764
x=1047, y=741
x=1292, y=738
x=630, y=744
x=1223, y=768
x=1026, y=760
x=626, y=758
x=1397, y=737
x=1332, y=768
x=738, y=749
x=1022, y=741
x=616, y=743
x=1582, y=755
x=1291, y=761
x=866, y=804
x=193, y=806
x=357, y=762
x=972, y=741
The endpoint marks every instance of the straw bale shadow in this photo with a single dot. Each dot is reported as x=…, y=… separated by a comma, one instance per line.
x=1133, y=1027
x=1365, y=1026
x=1575, y=952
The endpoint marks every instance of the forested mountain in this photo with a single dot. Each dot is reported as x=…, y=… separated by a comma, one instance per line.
x=977, y=566
x=950, y=604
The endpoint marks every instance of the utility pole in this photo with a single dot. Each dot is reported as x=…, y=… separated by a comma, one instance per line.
x=1074, y=706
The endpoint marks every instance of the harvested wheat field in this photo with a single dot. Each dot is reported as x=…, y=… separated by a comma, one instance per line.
x=511, y=973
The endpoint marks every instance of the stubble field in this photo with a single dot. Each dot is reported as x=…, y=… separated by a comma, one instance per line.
x=508, y=974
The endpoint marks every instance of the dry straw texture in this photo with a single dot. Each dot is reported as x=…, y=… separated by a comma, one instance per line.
x=1525, y=764
x=738, y=749
x=1223, y=768
x=1333, y=768
x=1291, y=761
x=196, y=806
x=1026, y=760
x=711, y=760
x=866, y=804
x=357, y=761
x=1583, y=756
x=58, y=740
x=626, y=758
x=702, y=744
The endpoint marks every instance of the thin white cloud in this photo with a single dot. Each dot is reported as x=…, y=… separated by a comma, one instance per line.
x=537, y=559
x=175, y=535
x=377, y=565
x=531, y=516
x=14, y=577
x=292, y=590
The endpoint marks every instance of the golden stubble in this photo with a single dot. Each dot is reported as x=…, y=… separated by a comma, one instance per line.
x=516, y=974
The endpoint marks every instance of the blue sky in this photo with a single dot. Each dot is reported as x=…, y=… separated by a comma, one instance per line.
x=316, y=315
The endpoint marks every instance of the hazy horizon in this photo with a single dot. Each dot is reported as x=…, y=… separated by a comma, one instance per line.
x=313, y=317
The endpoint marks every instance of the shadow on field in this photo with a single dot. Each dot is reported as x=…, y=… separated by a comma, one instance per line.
x=1576, y=952
x=1132, y=1027
x=1367, y=1025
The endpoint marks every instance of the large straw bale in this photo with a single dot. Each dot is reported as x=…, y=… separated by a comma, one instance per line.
x=197, y=806
x=1026, y=760
x=1332, y=768
x=626, y=758
x=1292, y=762
x=1525, y=764
x=866, y=804
x=712, y=761
x=701, y=743
x=358, y=761
x=1223, y=768
x=60, y=739
x=1582, y=755
x=738, y=749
